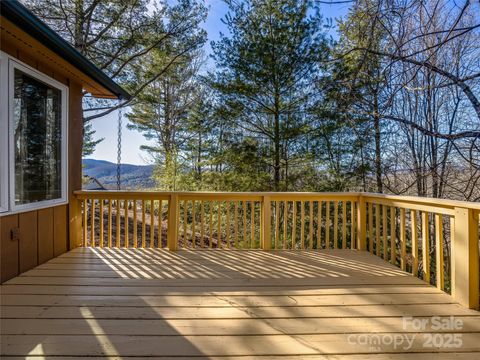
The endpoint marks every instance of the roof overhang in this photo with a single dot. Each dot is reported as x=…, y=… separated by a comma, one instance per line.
x=22, y=29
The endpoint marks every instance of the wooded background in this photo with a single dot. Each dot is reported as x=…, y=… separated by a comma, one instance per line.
x=392, y=104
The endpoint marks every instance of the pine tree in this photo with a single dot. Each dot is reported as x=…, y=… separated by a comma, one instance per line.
x=163, y=110
x=266, y=69
x=361, y=80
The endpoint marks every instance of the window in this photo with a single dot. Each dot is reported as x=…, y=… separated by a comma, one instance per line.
x=3, y=133
x=37, y=148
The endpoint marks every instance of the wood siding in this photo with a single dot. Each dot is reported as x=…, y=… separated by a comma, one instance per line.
x=27, y=242
x=42, y=234
x=8, y=248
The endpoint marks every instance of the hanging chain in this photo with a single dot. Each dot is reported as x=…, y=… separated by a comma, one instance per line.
x=119, y=146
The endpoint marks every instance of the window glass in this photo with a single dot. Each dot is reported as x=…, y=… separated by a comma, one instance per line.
x=3, y=133
x=37, y=130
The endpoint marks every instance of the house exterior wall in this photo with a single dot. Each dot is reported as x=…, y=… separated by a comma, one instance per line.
x=31, y=238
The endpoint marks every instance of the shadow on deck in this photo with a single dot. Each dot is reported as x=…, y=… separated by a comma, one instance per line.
x=121, y=303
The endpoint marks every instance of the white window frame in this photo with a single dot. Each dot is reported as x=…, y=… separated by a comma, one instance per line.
x=3, y=133
x=11, y=65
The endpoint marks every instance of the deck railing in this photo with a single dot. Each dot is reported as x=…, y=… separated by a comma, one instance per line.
x=436, y=240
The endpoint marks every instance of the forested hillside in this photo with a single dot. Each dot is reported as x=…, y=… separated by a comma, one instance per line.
x=133, y=176
x=391, y=104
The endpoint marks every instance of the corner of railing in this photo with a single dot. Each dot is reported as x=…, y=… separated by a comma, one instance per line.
x=361, y=222
x=75, y=227
x=465, y=258
x=173, y=222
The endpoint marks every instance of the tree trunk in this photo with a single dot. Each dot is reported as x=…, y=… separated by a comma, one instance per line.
x=199, y=157
x=276, y=166
x=79, y=30
x=378, y=154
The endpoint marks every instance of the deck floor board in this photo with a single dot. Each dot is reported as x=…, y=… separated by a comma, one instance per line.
x=120, y=303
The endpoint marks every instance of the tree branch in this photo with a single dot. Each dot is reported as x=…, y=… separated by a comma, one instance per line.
x=139, y=90
x=456, y=80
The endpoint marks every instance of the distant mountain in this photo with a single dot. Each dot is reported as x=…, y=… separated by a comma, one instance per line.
x=133, y=176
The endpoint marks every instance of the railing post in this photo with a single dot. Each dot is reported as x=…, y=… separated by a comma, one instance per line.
x=361, y=223
x=173, y=214
x=266, y=223
x=465, y=268
x=75, y=223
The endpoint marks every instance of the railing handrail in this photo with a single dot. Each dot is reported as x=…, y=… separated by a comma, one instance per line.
x=437, y=202
x=200, y=193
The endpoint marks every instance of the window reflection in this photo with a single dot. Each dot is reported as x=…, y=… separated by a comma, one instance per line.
x=37, y=128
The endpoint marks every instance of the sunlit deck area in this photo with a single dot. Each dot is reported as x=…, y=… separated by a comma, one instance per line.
x=117, y=303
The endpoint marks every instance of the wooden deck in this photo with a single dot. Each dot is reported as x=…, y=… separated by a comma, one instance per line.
x=120, y=303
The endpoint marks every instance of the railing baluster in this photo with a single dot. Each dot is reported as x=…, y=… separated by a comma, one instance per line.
x=384, y=232
x=210, y=208
x=126, y=217
x=285, y=223
x=426, y=246
x=302, y=224
x=194, y=221
x=353, y=244
x=152, y=224
x=377, y=229
x=294, y=225
x=135, y=224
x=439, y=251
x=101, y=223
x=235, y=215
x=185, y=221
x=143, y=224
x=160, y=224
x=393, y=235
x=335, y=224
x=344, y=225
x=310, y=225
x=370, y=227
x=327, y=225
x=403, y=240
x=452, y=255
x=252, y=224
x=228, y=223
x=413, y=220
x=85, y=225
x=117, y=222
x=109, y=223
x=92, y=223
x=244, y=237
x=319, y=224
x=277, y=224
x=219, y=225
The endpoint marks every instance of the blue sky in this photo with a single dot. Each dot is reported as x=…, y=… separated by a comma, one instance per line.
x=106, y=127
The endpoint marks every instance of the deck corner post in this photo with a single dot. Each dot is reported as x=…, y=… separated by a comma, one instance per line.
x=266, y=223
x=75, y=223
x=465, y=267
x=361, y=223
x=173, y=215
